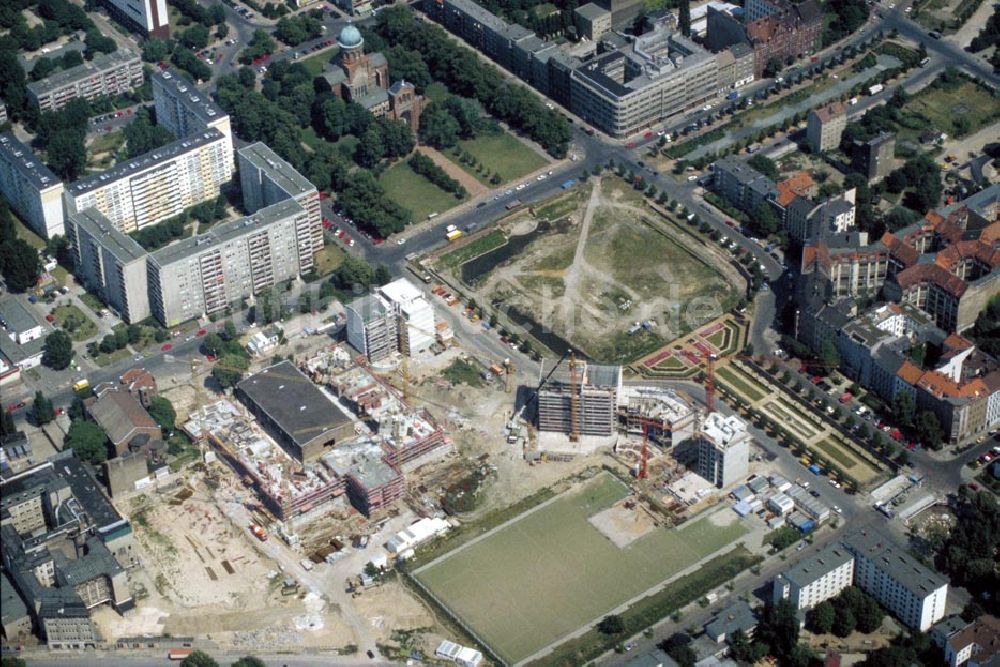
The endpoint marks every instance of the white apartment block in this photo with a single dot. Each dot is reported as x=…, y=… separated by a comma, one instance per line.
x=107, y=74
x=183, y=109
x=201, y=275
x=723, y=450
x=157, y=185
x=266, y=179
x=372, y=326
x=31, y=189
x=911, y=592
x=415, y=313
x=109, y=263
x=148, y=17
x=818, y=578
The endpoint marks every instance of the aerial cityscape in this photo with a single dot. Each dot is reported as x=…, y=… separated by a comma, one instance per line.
x=638, y=333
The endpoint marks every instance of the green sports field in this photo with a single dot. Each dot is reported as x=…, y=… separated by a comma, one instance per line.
x=551, y=572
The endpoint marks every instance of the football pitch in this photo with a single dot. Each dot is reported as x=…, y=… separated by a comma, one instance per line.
x=550, y=572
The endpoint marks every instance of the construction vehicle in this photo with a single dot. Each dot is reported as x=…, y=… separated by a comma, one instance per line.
x=258, y=532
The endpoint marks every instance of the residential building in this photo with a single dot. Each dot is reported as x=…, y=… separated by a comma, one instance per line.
x=819, y=577
x=159, y=184
x=127, y=424
x=266, y=179
x=699, y=15
x=592, y=21
x=109, y=263
x=107, y=74
x=742, y=185
x=976, y=645
x=723, y=449
x=415, y=313
x=295, y=412
x=147, y=17
x=737, y=617
x=31, y=189
x=873, y=159
x=846, y=264
x=141, y=384
x=776, y=33
x=363, y=78
x=23, y=336
x=658, y=77
x=825, y=126
x=3, y=112
x=201, y=275
x=185, y=110
x=372, y=327
x=911, y=592
x=735, y=67
x=16, y=622
x=578, y=387
x=799, y=185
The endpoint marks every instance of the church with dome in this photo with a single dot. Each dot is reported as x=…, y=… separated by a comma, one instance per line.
x=363, y=78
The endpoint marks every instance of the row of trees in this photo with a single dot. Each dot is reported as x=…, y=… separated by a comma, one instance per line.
x=293, y=30
x=194, y=12
x=989, y=36
x=143, y=135
x=19, y=262
x=461, y=70
x=156, y=236
x=45, y=66
x=442, y=125
x=852, y=610
x=202, y=659
x=427, y=168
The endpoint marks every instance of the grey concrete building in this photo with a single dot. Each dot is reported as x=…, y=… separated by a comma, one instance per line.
x=597, y=390
x=267, y=179
x=107, y=74
x=148, y=17
x=16, y=623
x=592, y=21
x=819, y=577
x=723, y=450
x=31, y=189
x=372, y=327
x=825, y=126
x=122, y=472
x=182, y=108
x=204, y=274
x=744, y=187
x=873, y=159
x=159, y=184
x=109, y=263
x=657, y=78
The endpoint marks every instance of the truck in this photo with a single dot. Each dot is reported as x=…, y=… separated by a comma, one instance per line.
x=258, y=532
x=510, y=206
x=179, y=653
x=80, y=385
x=876, y=89
x=453, y=235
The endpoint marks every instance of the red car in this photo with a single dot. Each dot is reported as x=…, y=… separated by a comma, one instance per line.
x=377, y=241
x=210, y=357
x=50, y=317
x=166, y=347
x=648, y=135
x=201, y=332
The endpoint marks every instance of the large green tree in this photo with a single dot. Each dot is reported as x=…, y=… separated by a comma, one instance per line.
x=162, y=410
x=57, y=351
x=19, y=264
x=67, y=156
x=41, y=409
x=821, y=617
x=199, y=659
x=88, y=441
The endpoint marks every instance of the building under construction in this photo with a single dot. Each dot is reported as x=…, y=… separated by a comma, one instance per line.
x=658, y=413
x=578, y=398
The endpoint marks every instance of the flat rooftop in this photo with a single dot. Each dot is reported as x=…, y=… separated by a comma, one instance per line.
x=400, y=291
x=26, y=163
x=193, y=100
x=102, y=62
x=16, y=315
x=278, y=170
x=895, y=562
x=122, y=246
x=150, y=160
x=226, y=231
x=818, y=565
x=722, y=430
x=594, y=375
x=364, y=461
x=293, y=402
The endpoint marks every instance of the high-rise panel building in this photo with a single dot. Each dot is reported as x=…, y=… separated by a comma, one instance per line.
x=415, y=313
x=148, y=17
x=183, y=109
x=107, y=74
x=723, y=449
x=157, y=185
x=266, y=179
x=109, y=263
x=817, y=578
x=204, y=274
x=30, y=187
x=372, y=326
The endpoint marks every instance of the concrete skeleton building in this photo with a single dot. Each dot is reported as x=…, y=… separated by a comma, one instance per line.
x=723, y=449
x=109, y=263
x=30, y=187
x=415, y=313
x=148, y=17
x=666, y=418
x=157, y=185
x=202, y=275
x=597, y=391
x=396, y=318
x=817, y=578
x=107, y=74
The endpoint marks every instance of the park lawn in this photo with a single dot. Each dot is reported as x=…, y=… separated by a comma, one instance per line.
x=329, y=258
x=550, y=571
x=103, y=360
x=92, y=302
x=736, y=381
x=75, y=322
x=315, y=63
x=414, y=192
x=27, y=234
x=483, y=244
x=831, y=449
x=502, y=153
x=107, y=143
x=942, y=105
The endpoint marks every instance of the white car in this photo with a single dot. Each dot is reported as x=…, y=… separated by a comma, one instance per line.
x=908, y=10
x=401, y=241
x=521, y=186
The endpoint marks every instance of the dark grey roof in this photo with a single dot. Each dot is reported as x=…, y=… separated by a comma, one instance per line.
x=193, y=100
x=26, y=163
x=283, y=174
x=11, y=605
x=18, y=353
x=87, y=491
x=591, y=11
x=121, y=246
x=374, y=98
x=102, y=62
x=741, y=50
x=42, y=480
x=97, y=562
x=296, y=405
x=895, y=562
x=738, y=616
x=818, y=565
x=655, y=658
x=596, y=374
x=17, y=315
x=809, y=11
x=334, y=75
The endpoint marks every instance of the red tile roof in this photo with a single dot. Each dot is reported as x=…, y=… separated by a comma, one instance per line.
x=800, y=184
